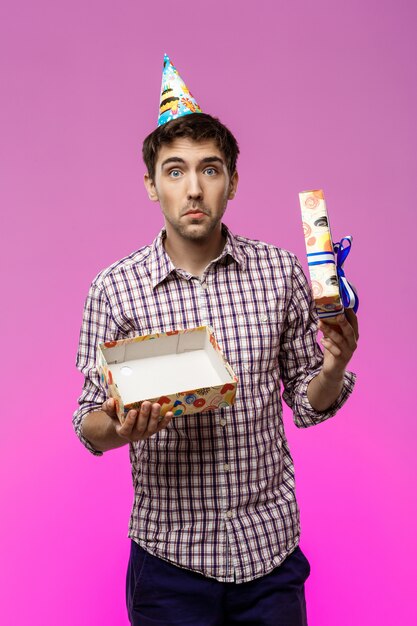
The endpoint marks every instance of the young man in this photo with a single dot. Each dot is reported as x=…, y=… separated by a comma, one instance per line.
x=215, y=523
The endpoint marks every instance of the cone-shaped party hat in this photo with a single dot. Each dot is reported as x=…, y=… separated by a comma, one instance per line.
x=176, y=99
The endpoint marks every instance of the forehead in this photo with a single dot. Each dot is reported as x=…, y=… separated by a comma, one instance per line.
x=189, y=150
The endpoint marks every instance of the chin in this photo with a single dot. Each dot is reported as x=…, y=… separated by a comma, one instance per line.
x=194, y=232
x=195, y=235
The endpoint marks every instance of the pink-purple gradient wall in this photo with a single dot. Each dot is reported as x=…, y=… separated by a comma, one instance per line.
x=319, y=94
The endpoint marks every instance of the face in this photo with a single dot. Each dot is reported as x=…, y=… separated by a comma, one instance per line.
x=192, y=186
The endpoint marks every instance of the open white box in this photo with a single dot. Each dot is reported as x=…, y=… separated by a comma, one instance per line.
x=184, y=371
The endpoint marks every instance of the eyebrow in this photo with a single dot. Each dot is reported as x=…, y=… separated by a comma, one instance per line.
x=209, y=159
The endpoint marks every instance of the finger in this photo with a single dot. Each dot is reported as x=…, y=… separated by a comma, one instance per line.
x=107, y=404
x=142, y=420
x=332, y=332
x=165, y=420
x=109, y=407
x=326, y=327
x=352, y=318
x=341, y=334
x=347, y=331
x=331, y=347
x=125, y=430
x=153, y=421
x=333, y=337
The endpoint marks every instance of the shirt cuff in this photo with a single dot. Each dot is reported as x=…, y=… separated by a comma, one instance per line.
x=78, y=431
x=305, y=415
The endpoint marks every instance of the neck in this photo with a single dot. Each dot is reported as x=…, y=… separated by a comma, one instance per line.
x=193, y=256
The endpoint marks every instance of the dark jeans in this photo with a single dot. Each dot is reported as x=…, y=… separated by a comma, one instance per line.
x=160, y=594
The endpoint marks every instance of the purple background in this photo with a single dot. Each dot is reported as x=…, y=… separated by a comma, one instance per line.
x=320, y=95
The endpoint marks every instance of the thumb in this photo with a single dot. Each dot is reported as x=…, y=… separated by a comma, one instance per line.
x=109, y=407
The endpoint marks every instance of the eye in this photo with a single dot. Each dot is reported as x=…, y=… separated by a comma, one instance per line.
x=210, y=171
x=174, y=173
x=322, y=221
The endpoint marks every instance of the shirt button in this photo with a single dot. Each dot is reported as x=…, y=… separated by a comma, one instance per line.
x=222, y=422
x=226, y=467
x=264, y=318
x=229, y=514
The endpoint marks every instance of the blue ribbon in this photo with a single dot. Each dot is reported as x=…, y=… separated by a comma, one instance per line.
x=348, y=293
x=320, y=258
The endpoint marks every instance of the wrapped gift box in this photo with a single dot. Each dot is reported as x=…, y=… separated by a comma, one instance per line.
x=320, y=255
x=184, y=371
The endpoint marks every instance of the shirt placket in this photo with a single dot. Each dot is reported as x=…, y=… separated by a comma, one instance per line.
x=223, y=466
x=203, y=304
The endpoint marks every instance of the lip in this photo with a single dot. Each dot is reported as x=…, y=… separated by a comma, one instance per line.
x=197, y=214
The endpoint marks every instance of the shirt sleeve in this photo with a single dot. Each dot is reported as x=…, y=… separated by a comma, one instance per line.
x=301, y=357
x=97, y=326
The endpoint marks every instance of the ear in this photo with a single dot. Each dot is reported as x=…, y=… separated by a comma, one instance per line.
x=150, y=188
x=233, y=185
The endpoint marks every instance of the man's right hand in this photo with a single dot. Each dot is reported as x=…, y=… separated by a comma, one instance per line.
x=104, y=431
x=138, y=425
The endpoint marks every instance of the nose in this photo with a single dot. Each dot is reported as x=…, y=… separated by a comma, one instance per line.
x=194, y=191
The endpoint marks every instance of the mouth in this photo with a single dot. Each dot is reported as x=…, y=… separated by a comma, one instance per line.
x=196, y=213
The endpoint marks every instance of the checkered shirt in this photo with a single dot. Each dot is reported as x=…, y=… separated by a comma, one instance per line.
x=215, y=492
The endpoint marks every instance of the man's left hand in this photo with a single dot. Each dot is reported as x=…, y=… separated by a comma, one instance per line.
x=339, y=343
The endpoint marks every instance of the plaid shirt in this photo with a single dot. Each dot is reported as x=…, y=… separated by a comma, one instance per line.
x=215, y=492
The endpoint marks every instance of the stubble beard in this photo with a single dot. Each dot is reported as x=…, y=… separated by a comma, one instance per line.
x=204, y=230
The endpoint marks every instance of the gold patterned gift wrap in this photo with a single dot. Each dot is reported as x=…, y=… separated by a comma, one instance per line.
x=184, y=371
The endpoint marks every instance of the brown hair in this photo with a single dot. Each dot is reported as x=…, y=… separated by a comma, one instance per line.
x=196, y=126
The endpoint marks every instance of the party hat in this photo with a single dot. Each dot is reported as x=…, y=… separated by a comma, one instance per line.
x=176, y=98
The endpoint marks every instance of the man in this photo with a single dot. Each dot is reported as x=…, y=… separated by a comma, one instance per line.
x=215, y=523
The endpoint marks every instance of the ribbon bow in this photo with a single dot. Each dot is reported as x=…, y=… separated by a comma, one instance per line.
x=348, y=293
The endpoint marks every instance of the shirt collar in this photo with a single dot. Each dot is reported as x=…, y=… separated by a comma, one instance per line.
x=161, y=265
x=232, y=248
